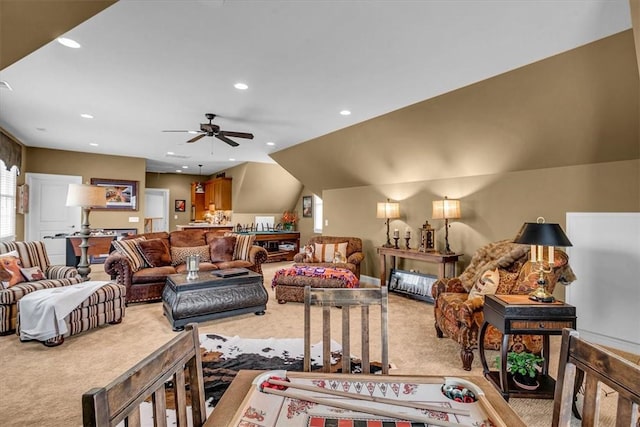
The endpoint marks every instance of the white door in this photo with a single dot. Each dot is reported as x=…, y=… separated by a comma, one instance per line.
x=48, y=214
x=156, y=209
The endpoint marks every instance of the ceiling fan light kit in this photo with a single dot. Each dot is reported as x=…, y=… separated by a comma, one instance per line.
x=209, y=129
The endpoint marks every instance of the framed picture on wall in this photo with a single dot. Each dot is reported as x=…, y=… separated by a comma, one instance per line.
x=121, y=195
x=181, y=205
x=307, y=206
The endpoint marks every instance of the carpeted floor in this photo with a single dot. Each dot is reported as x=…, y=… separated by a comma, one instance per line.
x=43, y=386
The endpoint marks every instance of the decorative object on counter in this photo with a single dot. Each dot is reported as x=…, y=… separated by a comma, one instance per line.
x=120, y=195
x=289, y=220
x=427, y=238
x=180, y=206
x=199, y=186
x=87, y=197
x=540, y=234
x=388, y=210
x=446, y=209
x=193, y=266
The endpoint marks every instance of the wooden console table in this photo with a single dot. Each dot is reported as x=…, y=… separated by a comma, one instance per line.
x=432, y=257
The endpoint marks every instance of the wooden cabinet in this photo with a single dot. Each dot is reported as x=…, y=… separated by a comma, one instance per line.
x=216, y=191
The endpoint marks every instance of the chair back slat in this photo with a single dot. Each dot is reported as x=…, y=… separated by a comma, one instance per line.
x=120, y=400
x=159, y=400
x=599, y=366
x=346, y=298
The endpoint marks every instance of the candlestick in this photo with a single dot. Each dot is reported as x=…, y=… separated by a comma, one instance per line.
x=395, y=239
x=407, y=240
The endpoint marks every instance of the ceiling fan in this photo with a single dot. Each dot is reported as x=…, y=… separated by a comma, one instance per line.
x=209, y=129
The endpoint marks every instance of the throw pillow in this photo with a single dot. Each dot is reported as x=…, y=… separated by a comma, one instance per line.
x=222, y=248
x=32, y=273
x=179, y=254
x=10, y=265
x=326, y=252
x=243, y=246
x=129, y=249
x=155, y=252
x=486, y=284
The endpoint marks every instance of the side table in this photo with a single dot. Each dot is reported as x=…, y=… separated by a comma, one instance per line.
x=517, y=314
x=431, y=257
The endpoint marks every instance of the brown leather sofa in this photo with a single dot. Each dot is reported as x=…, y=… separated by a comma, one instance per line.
x=460, y=316
x=147, y=283
x=354, y=255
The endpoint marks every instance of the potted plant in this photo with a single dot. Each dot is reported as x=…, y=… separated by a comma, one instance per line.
x=524, y=368
x=289, y=220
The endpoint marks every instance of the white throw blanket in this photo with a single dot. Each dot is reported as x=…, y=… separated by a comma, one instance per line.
x=42, y=312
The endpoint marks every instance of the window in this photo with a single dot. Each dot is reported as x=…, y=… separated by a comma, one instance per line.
x=317, y=214
x=7, y=202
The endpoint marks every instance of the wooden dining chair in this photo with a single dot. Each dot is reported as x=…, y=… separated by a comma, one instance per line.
x=599, y=367
x=121, y=399
x=346, y=298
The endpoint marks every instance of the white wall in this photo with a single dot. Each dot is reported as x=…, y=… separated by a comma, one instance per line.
x=606, y=259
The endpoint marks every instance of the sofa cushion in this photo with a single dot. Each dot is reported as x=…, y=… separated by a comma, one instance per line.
x=129, y=249
x=237, y=263
x=179, y=254
x=203, y=266
x=243, y=245
x=14, y=293
x=10, y=266
x=326, y=252
x=487, y=284
x=155, y=252
x=152, y=274
x=222, y=248
x=187, y=238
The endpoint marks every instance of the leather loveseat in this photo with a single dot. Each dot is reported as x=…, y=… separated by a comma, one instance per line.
x=143, y=267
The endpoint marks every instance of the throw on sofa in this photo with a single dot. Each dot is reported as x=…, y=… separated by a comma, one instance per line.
x=32, y=273
x=324, y=248
x=505, y=266
x=142, y=262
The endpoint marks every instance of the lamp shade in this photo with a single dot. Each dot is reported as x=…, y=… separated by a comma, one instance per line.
x=543, y=234
x=86, y=196
x=446, y=209
x=388, y=210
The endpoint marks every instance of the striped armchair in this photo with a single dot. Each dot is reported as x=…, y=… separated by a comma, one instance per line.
x=32, y=254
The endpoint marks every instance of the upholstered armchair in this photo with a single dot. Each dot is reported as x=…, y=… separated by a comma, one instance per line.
x=353, y=253
x=506, y=265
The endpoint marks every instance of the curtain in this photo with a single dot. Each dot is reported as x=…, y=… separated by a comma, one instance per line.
x=10, y=152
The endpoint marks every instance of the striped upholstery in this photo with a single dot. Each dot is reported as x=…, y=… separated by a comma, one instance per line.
x=106, y=305
x=32, y=254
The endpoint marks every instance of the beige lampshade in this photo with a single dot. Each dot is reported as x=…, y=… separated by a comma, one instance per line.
x=388, y=210
x=86, y=196
x=212, y=207
x=446, y=209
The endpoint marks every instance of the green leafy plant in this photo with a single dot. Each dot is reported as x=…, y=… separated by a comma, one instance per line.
x=523, y=363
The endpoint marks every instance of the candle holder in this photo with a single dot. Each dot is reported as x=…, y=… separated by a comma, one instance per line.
x=193, y=266
x=407, y=239
x=395, y=239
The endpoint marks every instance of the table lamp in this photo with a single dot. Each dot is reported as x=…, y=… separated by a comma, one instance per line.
x=540, y=234
x=446, y=209
x=87, y=197
x=388, y=210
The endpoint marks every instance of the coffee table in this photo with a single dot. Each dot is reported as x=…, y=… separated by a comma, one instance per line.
x=211, y=297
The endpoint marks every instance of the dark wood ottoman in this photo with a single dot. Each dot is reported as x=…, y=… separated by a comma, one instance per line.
x=212, y=297
x=289, y=283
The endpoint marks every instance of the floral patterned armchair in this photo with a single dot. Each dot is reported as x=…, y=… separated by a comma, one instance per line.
x=459, y=315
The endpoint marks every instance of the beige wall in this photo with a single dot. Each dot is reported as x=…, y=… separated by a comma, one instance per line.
x=59, y=162
x=179, y=186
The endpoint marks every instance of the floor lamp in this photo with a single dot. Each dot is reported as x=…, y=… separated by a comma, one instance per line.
x=86, y=197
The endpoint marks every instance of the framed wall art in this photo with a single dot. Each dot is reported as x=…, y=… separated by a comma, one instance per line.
x=307, y=206
x=121, y=195
x=181, y=205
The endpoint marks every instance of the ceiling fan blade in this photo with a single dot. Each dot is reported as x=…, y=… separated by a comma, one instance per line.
x=237, y=134
x=195, y=138
x=227, y=140
x=176, y=131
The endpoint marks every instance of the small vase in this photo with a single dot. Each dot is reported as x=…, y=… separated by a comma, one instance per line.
x=288, y=227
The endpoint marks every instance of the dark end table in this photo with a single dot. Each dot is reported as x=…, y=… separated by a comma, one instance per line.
x=517, y=314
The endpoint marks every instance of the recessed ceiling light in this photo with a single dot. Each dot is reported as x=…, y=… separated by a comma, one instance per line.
x=68, y=42
x=241, y=86
x=185, y=167
x=93, y=144
x=232, y=159
x=179, y=170
x=193, y=131
x=86, y=116
x=171, y=153
x=345, y=112
x=271, y=143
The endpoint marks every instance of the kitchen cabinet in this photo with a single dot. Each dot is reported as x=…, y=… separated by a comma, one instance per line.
x=216, y=191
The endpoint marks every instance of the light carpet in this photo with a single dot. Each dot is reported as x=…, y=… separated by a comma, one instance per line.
x=43, y=386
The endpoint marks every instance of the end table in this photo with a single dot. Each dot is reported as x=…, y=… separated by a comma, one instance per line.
x=517, y=314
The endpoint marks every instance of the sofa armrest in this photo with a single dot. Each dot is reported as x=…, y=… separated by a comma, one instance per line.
x=355, y=258
x=447, y=284
x=118, y=267
x=61, y=272
x=258, y=256
x=299, y=257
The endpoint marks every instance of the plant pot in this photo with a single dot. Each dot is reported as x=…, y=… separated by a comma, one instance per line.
x=525, y=382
